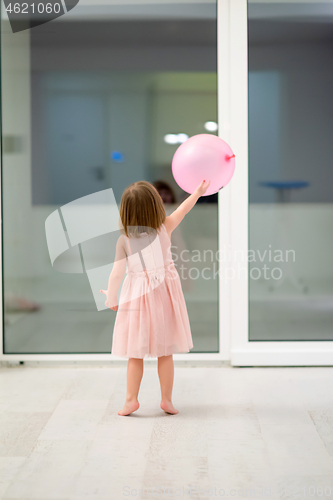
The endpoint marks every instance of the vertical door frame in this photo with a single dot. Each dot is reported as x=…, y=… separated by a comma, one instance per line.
x=224, y=199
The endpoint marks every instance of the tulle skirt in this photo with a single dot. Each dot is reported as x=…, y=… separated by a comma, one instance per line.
x=152, y=319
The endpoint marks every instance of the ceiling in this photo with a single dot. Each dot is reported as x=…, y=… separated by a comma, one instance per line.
x=182, y=24
x=283, y=31
x=126, y=33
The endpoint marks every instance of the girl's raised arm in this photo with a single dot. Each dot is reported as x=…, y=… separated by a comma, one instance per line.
x=178, y=215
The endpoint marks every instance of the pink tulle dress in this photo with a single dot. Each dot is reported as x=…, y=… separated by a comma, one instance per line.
x=152, y=319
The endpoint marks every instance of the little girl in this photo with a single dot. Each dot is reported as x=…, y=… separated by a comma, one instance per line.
x=152, y=319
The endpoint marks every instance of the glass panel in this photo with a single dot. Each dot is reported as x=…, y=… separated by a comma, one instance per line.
x=291, y=158
x=88, y=100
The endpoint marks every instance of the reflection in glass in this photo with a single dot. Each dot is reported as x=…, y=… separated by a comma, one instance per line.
x=88, y=101
x=291, y=157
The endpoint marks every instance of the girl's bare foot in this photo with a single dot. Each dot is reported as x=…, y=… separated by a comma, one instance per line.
x=130, y=407
x=168, y=407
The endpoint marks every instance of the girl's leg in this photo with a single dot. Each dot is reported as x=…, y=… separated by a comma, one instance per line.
x=134, y=377
x=166, y=375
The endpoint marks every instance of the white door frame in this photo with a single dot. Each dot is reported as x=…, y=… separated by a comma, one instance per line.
x=242, y=351
x=233, y=224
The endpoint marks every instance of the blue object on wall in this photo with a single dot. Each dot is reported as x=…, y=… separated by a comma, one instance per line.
x=117, y=157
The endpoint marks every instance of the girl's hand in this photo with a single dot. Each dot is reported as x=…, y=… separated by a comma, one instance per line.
x=110, y=303
x=202, y=188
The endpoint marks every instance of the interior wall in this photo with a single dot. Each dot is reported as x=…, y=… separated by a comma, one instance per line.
x=304, y=135
x=18, y=230
x=116, y=111
x=305, y=229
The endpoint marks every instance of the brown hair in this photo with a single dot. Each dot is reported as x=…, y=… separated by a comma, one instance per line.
x=141, y=205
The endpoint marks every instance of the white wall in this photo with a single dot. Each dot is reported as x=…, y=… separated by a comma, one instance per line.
x=305, y=228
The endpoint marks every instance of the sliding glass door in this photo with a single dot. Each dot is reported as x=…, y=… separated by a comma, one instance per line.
x=104, y=98
x=290, y=171
x=98, y=99
x=284, y=311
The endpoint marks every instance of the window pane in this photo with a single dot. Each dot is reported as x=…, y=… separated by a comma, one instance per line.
x=291, y=158
x=87, y=102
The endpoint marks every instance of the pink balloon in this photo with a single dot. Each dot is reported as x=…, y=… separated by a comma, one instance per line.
x=203, y=157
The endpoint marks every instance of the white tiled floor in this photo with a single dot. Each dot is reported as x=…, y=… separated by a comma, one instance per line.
x=266, y=431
